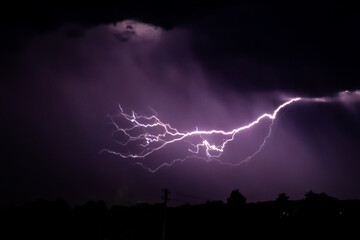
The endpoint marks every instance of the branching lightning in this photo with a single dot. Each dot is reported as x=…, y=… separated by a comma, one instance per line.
x=150, y=134
x=166, y=134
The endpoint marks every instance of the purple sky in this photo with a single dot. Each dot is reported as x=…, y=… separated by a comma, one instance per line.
x=59, y=89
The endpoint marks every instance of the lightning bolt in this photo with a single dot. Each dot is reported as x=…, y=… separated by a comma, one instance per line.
x=150, y=134
x=142, y=128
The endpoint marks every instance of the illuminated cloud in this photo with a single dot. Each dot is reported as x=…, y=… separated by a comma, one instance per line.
x=135, y=31
x=345, y=97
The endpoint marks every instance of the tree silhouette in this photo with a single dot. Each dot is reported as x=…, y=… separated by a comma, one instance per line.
x=282, y=197
x=311, y=196
x=236, y=199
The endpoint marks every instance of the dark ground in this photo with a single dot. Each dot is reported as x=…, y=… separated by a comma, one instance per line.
x=318, y=215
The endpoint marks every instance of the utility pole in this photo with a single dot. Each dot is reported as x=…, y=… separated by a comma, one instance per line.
x=165, y=197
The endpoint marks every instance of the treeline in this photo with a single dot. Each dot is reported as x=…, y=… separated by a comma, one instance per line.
x=317, y=215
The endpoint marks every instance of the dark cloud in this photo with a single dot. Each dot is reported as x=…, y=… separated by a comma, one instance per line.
x=300, y=46
x=310, y=49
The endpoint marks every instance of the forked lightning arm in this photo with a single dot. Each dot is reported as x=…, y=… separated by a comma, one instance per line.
x=149, y=134
x=150, y=142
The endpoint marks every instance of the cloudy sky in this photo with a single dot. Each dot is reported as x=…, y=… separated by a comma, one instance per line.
x=214, y=65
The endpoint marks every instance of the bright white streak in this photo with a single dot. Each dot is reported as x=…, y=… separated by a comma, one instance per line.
x=213, y=152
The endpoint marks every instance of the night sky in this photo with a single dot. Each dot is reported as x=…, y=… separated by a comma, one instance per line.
x=206, y=64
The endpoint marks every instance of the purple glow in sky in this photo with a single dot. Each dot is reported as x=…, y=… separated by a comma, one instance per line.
x=212, y=83
x=165, y=134
x=150, y=142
